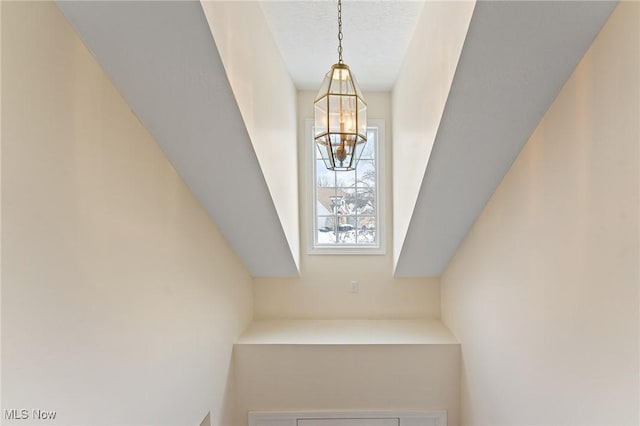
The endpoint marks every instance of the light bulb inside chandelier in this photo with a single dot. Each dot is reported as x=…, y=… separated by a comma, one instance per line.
x=340, y=128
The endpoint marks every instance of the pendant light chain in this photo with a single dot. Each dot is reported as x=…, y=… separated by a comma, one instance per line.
x=340, y=31
x=340, y=114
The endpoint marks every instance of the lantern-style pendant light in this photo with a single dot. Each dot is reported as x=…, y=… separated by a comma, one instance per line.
x=340, y=129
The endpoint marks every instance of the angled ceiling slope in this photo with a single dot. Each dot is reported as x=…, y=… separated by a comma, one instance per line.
x=163, y=59
x=516, y=57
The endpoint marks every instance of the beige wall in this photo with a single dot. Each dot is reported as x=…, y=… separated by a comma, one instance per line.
x=322, y=293
x=121, y=299
x=266, y=97
x=348, y=377
x=1, y=205
x=418, y=101
x=543, y=293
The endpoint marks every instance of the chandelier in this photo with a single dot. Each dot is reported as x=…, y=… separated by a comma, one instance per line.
x=340, y=128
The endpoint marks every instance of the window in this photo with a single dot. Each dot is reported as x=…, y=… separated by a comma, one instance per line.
x=347, y=206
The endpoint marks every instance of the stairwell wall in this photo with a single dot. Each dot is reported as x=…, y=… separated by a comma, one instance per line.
x=543, y=293
x=120, y=298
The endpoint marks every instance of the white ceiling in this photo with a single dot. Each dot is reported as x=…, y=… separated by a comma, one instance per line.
x=376, y=37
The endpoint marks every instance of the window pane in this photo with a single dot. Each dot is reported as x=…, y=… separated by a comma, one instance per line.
x=365, y=201
x=336, y=229
x=350, y=200
x=324, y=200
x=366, y=173
x=324, y=177
x=366, y=230
x=346, y=202
x=326, y=223
x=325, y=227
x=346, y=179
x=346, y=229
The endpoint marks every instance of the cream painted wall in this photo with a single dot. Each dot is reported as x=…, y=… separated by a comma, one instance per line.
x=266, y=97
x=543, y=293
x=1, y=205
x=121, y=300
x=319, y=292
x=418, y=101
x=348, y=377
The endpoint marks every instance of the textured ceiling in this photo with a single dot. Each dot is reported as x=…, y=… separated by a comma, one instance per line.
x=376, y=36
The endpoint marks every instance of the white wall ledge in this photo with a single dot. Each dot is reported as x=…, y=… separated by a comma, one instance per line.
x=347, y=332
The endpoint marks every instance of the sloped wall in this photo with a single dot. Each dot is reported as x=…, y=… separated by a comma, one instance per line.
x=418, y=101
x=543, y=293
x=120, y=298
x=266, y=97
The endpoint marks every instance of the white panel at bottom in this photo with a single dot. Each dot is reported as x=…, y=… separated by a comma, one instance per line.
x=349, y=418
x=349, y=422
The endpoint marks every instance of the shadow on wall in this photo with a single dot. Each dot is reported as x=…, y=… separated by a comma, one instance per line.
x=207, y=420
x=228, y=416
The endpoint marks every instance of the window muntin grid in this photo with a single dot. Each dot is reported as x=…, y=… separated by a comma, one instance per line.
x=347, y=204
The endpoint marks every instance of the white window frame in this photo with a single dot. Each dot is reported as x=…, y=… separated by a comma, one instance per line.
x=310, y=148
